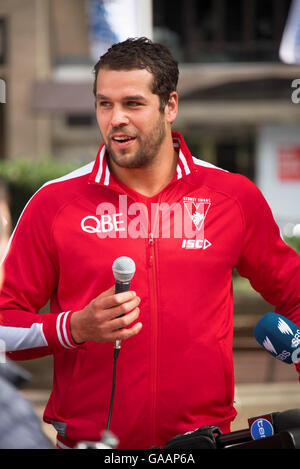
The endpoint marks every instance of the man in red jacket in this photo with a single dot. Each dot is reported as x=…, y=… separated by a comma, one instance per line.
x=185, y=223
x=135, y=123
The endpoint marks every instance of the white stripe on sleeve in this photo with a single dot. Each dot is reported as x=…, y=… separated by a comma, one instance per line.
x=61, y=330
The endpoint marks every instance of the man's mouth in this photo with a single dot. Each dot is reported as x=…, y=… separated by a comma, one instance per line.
x=122, y=140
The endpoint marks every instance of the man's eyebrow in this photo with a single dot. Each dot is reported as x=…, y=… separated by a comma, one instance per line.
x=136, y=97
x=101, y=96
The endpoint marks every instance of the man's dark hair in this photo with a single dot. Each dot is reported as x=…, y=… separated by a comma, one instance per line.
x=142, y=53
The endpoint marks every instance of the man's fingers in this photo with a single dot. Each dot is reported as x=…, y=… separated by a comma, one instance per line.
x=109, y=326
x=124, y=321
x=109, y=298
x=124, y=334
x=112, y=307
x=108, y=317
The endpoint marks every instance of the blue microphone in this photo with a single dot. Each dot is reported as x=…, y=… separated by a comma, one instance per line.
x=279, y=336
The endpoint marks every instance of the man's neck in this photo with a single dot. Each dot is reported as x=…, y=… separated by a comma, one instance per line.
x=152, y=179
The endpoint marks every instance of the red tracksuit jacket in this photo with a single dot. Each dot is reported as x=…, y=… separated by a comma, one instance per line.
x=177, y=373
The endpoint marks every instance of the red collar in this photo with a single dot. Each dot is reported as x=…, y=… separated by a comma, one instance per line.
x=101, y=174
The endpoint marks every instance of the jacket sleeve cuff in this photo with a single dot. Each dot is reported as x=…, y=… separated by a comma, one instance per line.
x=58, y=333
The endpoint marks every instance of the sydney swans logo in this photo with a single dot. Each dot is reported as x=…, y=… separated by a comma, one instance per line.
x=197, y=210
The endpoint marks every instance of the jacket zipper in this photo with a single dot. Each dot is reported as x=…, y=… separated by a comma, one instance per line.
x=153, y=296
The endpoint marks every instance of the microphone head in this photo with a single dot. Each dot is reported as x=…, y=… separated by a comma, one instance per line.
x=279, y=336
x=123, y=269
x=286, y=420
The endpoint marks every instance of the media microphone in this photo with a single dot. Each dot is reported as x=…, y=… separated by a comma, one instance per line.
x=286, y=420
x=279, y=336
x=275, y=422
x=123, y=269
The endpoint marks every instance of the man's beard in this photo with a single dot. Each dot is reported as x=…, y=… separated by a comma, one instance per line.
x=148, y=148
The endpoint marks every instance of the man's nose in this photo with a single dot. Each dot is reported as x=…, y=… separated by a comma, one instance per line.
x=119, y=117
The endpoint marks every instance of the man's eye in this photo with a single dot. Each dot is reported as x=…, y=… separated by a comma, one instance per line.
x=133, y=103
x=104, y=103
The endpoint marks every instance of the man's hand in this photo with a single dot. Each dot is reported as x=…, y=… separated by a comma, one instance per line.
x=100, y=320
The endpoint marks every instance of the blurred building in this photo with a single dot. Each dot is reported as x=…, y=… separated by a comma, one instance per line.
x=46, y=60
x=236, y=109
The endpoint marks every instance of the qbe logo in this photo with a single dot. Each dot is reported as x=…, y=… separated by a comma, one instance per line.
x=261, y=428
x=2, y=91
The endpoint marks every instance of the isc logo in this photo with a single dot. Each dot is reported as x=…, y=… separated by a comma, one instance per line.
x=195, y=244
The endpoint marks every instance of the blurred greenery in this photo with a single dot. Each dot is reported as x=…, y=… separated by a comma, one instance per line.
x=294, y=242
x=24, y=176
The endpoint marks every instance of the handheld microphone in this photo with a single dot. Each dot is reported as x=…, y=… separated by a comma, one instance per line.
x=123, y=269
x=279, y=336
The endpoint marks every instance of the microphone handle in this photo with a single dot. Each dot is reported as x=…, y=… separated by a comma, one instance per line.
x=120, y=287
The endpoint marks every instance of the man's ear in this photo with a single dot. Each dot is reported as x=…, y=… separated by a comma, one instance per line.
x=171, y=108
